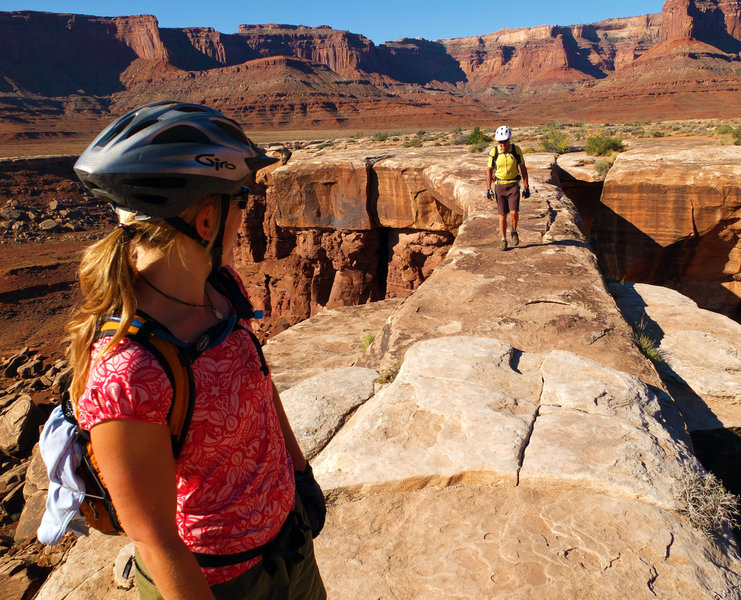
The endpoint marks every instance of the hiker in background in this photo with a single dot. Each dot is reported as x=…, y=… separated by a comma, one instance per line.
x=173, y=173
x=506, y=167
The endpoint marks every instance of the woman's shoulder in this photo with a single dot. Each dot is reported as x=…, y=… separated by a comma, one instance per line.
x=126, y=382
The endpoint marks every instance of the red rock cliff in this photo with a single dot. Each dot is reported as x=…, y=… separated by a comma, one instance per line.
x=343, y=52
x=717, y=22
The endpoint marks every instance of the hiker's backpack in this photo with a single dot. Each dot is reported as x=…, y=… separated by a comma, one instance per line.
x=176, y=360
x=511, y=151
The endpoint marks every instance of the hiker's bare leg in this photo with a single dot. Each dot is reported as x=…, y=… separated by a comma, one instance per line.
x=503, y=225
x=515, y=218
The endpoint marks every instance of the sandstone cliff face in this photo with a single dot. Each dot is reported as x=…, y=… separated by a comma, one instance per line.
x=344, y=52
x=514, y=57
x=341, y=232
x=673, y=216
x=716, y=22
x=86, y=56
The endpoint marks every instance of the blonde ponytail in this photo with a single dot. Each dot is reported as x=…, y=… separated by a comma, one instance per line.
x=107, y=277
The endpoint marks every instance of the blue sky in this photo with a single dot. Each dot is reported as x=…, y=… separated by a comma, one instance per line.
x=379, y=20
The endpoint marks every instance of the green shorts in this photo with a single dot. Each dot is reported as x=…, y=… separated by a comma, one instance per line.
x=285, y=579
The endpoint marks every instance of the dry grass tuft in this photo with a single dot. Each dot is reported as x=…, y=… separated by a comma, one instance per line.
x=705, y=502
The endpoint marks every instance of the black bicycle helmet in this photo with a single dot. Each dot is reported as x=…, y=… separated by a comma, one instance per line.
x=159, y=159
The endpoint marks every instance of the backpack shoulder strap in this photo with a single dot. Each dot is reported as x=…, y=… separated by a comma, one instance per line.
x=226, y=283
x=516, y=154
x=148, y=333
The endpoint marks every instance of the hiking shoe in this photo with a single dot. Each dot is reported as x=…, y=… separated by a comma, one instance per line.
x=515, y=239
x=503, y=244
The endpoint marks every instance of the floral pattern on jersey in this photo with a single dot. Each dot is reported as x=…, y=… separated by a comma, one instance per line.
x=234, y=477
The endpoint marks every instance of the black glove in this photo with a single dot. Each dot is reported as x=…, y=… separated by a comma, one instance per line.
x=489, y=194
x=312, y=498
x=526, y=193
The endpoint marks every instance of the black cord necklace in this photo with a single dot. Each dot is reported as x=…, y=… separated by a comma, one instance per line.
x=209, y=304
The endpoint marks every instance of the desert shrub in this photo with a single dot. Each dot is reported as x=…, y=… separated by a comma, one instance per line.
x=380, y=137
x=723, y=129
x=460, y=140
x=458, y=130
x=555, y=140
x=478, y=137
x=737, y=136
x=705, y=502
x=413, y=143
x=602, y=166
x=421, y=133
x=601, y=145
x=478, y=147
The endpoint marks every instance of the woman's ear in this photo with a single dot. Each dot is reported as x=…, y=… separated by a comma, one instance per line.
x=205, y=222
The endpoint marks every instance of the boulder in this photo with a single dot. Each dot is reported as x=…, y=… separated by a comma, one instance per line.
x=36, y=475
x=30, y=519
x=16, y=583
x=11, y=477
x=319, y=406
x=87, y=571
x=19, y=427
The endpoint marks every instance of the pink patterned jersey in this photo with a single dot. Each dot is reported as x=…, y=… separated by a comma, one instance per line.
x=235, y=483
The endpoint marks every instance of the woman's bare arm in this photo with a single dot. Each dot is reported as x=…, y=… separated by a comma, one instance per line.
x=297, y=456
x=135, y=460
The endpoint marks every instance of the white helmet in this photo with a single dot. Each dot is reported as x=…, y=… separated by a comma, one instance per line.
x=502, y=134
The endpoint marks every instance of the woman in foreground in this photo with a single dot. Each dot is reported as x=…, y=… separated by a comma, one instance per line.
x=173, y=173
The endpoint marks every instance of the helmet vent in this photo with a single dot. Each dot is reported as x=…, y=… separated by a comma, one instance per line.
x=115, y=130
x=158, y=182
x=149, y=198
x=231, y=130
x=139, y=126
x=181, y=134
x=191, y=108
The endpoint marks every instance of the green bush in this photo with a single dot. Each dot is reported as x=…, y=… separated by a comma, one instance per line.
x=555, y=140
x=478, y=137
x=458, y=130
x=723, y=129
x=737, y=136
x=380, y=137
x=601, y=145
x=602, y=166
x=479, y=147
x=414, y=142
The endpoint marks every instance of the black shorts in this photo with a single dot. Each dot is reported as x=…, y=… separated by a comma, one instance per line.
x=508, y=197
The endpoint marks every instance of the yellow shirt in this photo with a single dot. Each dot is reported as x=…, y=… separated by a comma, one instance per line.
x=506, y=169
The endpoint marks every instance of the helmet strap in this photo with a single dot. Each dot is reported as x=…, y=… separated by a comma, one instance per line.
x=217, y=248
x=187, y=229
